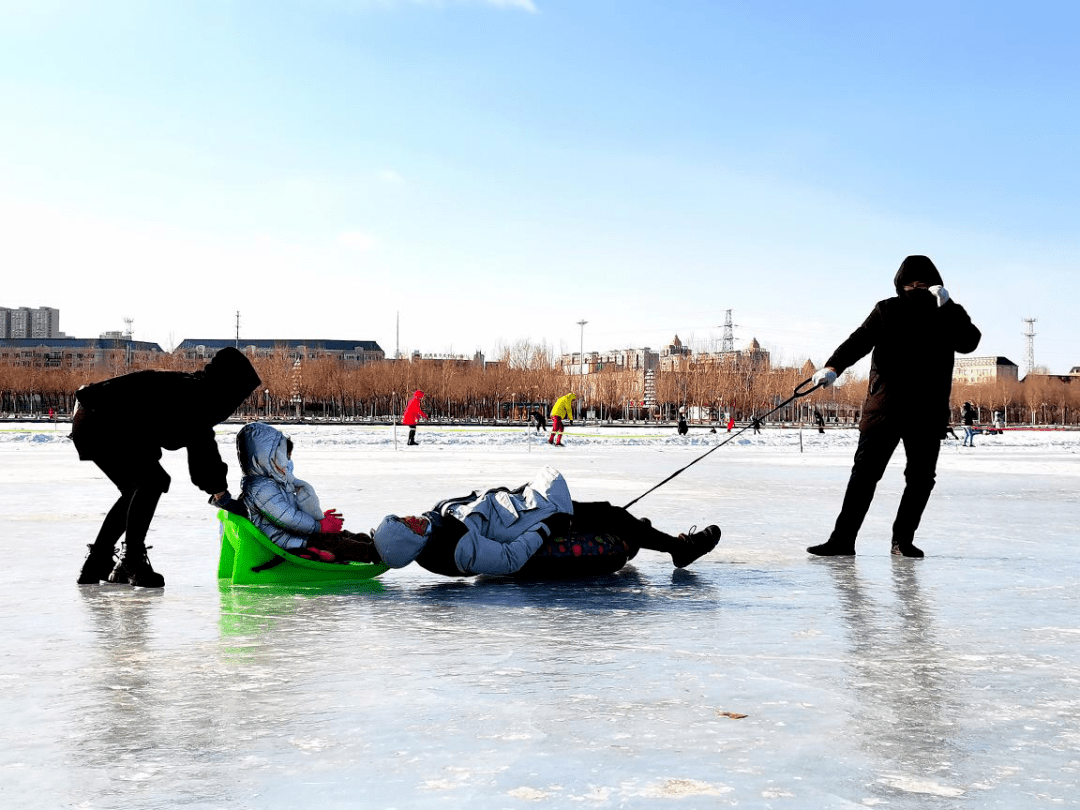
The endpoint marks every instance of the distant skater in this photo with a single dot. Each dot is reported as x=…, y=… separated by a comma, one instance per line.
x=914, y=337
x=107, y=430
x=539, y=421
x=563, y=409
x=413, y=414
x=820, y=420
x=967, y=416
x=683, y=429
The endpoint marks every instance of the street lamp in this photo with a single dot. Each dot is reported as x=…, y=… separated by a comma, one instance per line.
x=581, y=367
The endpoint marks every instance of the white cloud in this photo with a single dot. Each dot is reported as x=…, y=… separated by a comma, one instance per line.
x=356, y=240
x=524, y=5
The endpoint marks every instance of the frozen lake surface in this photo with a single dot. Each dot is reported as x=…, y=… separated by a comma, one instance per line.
x=760, y=677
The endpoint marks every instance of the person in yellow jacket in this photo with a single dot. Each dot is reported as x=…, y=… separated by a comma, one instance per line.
x=563, y=409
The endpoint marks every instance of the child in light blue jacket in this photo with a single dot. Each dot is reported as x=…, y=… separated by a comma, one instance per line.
x=285, y=508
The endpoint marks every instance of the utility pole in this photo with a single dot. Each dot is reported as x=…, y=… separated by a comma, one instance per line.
x=581, y=348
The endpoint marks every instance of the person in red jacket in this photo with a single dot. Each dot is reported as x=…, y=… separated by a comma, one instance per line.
x=413, y=413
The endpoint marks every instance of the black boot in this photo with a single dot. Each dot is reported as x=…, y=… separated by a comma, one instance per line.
x=694, y=544
x=832, y=548
x=908, y=549
x=97, y=566
x=134, y=569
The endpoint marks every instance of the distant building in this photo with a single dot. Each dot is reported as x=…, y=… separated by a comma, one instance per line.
x=27, y=322
x=352, y=352
x=74, y=352
x=675, y=356
x=752, y=358
x=456, y=360
x=1038, y=376
x=978, y=370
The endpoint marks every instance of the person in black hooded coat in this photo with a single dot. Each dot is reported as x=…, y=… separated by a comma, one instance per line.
x=182, y=409
x=914, y=337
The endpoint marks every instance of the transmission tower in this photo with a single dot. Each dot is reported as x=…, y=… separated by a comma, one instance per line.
x=729, y=336
x=1030, y=335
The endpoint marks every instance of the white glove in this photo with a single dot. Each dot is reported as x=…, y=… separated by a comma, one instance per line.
x=823, y=377
x=940, y=293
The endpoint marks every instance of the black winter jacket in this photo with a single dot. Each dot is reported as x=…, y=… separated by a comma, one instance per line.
x=176, y=409
x=914, y=342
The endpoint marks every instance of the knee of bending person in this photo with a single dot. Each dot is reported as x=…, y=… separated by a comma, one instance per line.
x=155, y=478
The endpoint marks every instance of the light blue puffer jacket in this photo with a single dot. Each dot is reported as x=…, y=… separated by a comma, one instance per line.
x=285, y=508
x=505, y=528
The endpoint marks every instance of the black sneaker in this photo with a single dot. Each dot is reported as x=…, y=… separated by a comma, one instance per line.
x=695, y=544
x=136, y=571
x=97, y=566
x=906, y=550
x=831, y=549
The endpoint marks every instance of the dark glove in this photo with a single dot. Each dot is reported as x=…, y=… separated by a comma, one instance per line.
x=558, y=524
x=228, y=503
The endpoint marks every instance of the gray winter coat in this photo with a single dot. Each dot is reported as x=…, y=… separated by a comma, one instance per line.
x=505, y=528
x=285, y=508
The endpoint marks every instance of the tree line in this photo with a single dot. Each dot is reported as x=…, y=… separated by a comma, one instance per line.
x=525, y=378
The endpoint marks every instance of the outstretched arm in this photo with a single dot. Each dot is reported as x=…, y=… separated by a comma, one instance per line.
x=477, y=554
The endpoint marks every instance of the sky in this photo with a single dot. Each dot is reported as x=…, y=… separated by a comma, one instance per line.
x=450, y=176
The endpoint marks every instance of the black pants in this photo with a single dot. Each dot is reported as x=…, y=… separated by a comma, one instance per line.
x=601, y=516
x=141, y=481
x=876, y=446
x=134, y=468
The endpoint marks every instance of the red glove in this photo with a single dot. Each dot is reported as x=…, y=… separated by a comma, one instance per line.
x=332, y=523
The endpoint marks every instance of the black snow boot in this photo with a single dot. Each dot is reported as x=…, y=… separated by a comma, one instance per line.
x=908, y=549
x=694, y=544
x=832, y=548
x=134, y=569
x=97, y=566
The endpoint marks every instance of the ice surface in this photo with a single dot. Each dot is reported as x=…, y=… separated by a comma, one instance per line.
x=866, y=682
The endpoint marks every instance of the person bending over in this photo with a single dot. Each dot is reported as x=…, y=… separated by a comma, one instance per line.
x=123, y=424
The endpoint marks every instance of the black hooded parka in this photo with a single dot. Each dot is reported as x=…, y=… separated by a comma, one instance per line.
x=134, y=416
x=914, y=342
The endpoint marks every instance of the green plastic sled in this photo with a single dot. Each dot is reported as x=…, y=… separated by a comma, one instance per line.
x=249, y=557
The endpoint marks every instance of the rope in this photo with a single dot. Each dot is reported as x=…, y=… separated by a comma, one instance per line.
x=797, y=395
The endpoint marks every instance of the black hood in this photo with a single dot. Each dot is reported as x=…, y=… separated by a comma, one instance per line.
x=232, y=378
x=916, y=268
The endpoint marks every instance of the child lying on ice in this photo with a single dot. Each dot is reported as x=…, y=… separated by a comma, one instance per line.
x=287, y=509
x=534, y=530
